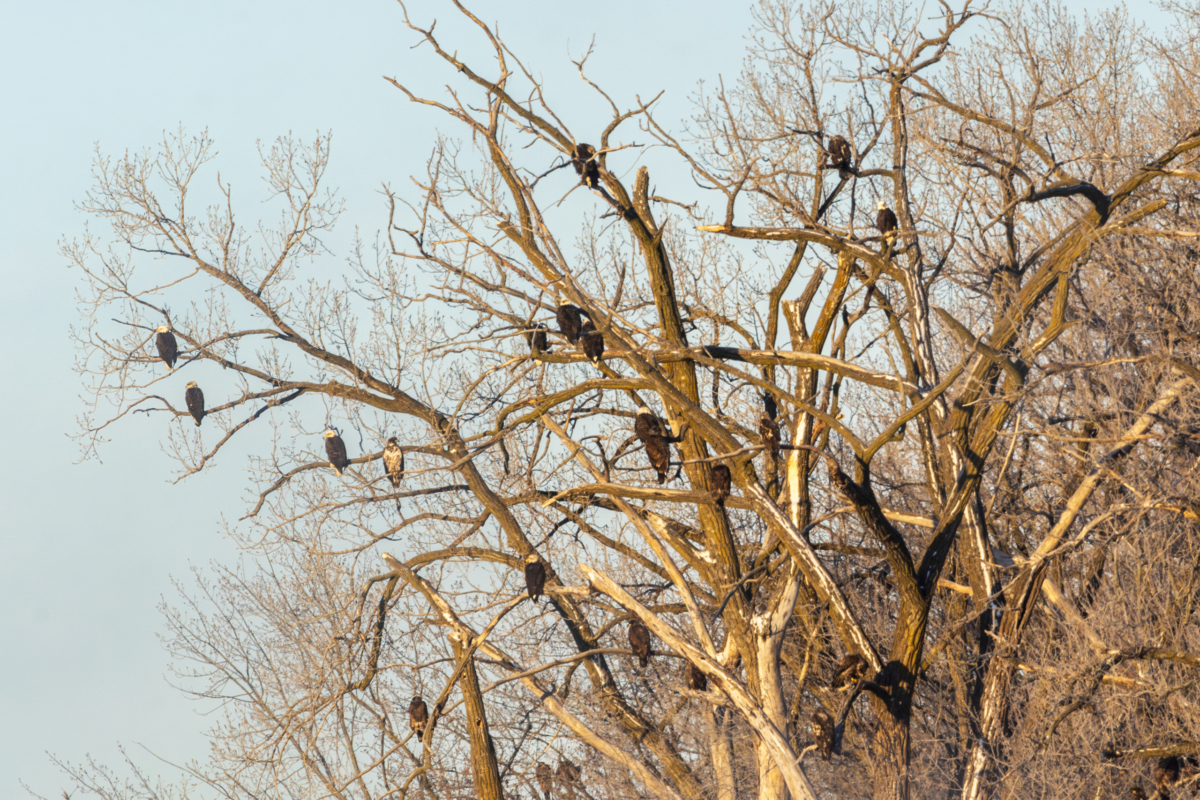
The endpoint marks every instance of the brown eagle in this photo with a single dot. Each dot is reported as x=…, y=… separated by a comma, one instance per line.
x=721, y=481
x=393, y=462
x=823, y=733
x=335, y=450
x=885, y=220
x=545, y=778
x=195, y=402
x=851, y=668
x=535, y=576
x=418, y=716
x=591, y=341
x=697, y=680
x=586, y=166
x=569, y=320
x=567, y=772
x=639, y=641
x=536, y=337
x=646, y=426
x=168, y=348
x=839, y=154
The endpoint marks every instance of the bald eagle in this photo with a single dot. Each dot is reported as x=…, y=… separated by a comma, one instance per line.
x=545, y=778
x=568, y=320
x=592, y=342
x=823, y=733
x=851, y=668
x=567, y=772
x=536, y=337
x=335, y=450
x=770, y=406
x=639, y=641
x=168, y=348
x=586, y=166
x=195, y=402
x=768, y=431
x=839, y=155
x=721, y=480
x=535, y=576
x=418, y=716
x=646, y=426
x=885, y=221
x=697, y=680
x=393, y=462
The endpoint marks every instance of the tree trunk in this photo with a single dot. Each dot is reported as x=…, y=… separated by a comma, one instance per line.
x=484, y=770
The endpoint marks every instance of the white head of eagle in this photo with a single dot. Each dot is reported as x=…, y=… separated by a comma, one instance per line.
x=882, y=205
x=191, y=384
x=644, y=410
x=162, y=329
x=532, y=558
x=330, y=432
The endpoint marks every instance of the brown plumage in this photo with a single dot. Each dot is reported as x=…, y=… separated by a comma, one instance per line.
x=639, y=641
x=823, y=733
x=697, y=680
x=586, y=166
x=768, y=432
x=567, y=772
x=569, y=320
x=591, y=341
x=851, y=668
x=335, y=451
x=195, y=402
x=536, y=337
x=418, y=716
x=168, y=348
x=1166, y=772
x=393, y=462
x=839, y=154
x=535, y=576
x=545, y=778
x=648, y=430
x=885, y=220
x=721, y=481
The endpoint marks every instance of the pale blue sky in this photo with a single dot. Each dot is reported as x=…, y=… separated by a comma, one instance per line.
x=87, y=551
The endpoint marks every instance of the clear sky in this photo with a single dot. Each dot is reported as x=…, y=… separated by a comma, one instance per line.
x=87, y=551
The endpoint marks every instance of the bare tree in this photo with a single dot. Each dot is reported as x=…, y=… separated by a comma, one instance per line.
x=925, y=529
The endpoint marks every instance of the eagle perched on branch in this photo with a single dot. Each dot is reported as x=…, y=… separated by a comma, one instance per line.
x=639, y=641
x=418, y=716
x=648, y=430
x=586, y=166
x=335, y=451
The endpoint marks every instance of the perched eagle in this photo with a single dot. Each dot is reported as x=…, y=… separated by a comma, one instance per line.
x=569, y=320
x=770, y=406
x=195, y=402
x=335, y=449
x=592, y=342
x=646, y=426
x=851, y=668
x=1166, y=773
x=545, y=778
x=535, y=576
x=823, y=733
x=536, y=337
x=168, y=348
x=586, y=166
x=768, y=431
x=639, y=641
x=418, y=716
x=885, y=220
x=721, y=480
x=697, y=680
x=567, y=772
x=839, y=154
x=393, y=462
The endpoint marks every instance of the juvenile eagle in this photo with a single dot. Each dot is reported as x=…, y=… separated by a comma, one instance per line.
x=418, y=716
x=168, y=348
x=592, y=342
x=567, y=772
x=335, y=450
x=697, y=680
x=823, y=733
x=393, y=462
x=569, y=320
x=545, y=778
x=195, y=402
x=851, y=668
x=839, y=154
x=639, y=641
x=536, y=337
x=586, y=166
x=721, y=481
x=535, y=576
x=646, y=426
x=885, y=221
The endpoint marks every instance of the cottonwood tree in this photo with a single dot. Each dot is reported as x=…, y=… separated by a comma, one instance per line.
x=970, y=570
